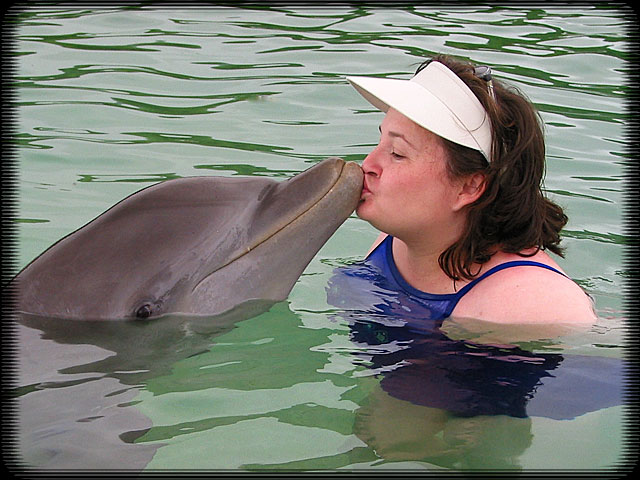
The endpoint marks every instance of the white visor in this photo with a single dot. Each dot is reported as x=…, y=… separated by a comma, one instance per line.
x=435, y=99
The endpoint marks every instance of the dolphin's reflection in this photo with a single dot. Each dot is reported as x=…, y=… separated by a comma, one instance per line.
x=78, y=382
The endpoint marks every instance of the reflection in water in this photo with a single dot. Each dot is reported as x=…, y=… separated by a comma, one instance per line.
x=461, y=377
x=439, y=398
x=79, y=381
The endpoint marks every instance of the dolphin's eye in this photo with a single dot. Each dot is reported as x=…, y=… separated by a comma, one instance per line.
x=144, y=311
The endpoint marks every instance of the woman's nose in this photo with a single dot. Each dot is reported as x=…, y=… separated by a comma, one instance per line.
x=371, y=165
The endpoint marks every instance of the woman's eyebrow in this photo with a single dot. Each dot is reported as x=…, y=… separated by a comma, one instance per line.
x=397, y=135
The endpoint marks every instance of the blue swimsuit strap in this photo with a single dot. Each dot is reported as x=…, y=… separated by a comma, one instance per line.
x=515, y=263
x=502, y=266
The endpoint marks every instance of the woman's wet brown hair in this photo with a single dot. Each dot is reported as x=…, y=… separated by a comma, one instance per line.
x=512, y=214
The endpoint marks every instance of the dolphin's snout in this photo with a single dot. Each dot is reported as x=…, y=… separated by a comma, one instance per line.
x=352, y=169
x=329, y=168
x=351, y=178
x=342, y=170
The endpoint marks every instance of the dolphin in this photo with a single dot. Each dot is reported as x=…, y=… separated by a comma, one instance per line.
x=192, y=246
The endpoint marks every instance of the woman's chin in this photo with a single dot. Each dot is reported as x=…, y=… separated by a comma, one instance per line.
x=363, y=210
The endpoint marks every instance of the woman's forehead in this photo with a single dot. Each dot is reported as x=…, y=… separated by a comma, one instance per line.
x=396, y=125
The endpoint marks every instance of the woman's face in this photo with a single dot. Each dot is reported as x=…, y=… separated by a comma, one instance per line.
x=406, y=188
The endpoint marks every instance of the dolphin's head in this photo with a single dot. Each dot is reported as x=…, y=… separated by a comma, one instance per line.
x=196, y=245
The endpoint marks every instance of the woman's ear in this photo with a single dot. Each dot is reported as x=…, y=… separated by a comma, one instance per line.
x=470, y=189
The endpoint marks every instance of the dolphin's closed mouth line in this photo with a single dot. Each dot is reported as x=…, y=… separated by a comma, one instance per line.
x=233, y=259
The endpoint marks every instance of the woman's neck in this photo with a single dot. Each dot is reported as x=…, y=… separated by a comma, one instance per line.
x=417, y=262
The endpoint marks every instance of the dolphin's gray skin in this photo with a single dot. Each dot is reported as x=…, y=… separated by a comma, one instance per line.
x=195, y=246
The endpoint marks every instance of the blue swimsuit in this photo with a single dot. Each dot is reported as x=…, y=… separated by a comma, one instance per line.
x=377, y=286
x=443, y=304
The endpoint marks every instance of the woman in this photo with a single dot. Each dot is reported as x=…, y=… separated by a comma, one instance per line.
x=455, y=186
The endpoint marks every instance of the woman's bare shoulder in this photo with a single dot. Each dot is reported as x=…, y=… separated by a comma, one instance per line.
x=526, y=294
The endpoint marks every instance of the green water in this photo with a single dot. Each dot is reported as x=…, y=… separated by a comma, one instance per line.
x=110, y=100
